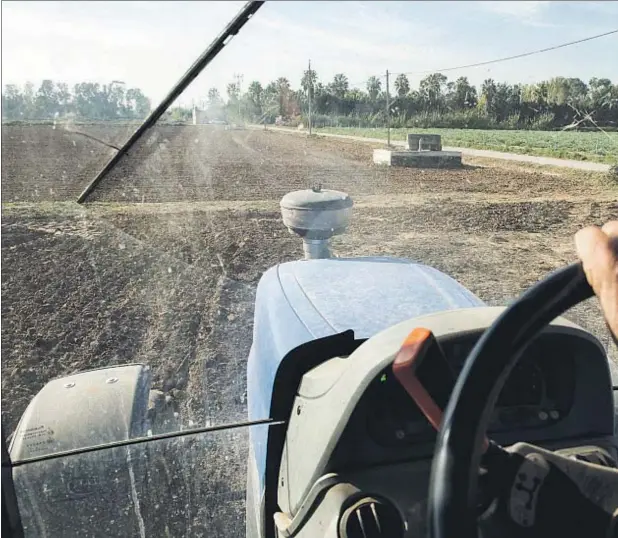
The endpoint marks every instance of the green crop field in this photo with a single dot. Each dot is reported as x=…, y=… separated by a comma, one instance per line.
x=582, y=146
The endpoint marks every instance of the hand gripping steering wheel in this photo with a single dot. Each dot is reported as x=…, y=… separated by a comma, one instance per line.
x=452, y=499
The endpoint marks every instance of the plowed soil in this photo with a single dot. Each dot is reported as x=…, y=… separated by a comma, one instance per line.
x=162, y=263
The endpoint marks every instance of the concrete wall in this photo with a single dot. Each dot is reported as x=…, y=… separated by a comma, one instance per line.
x=431, y=142
x=199, y=117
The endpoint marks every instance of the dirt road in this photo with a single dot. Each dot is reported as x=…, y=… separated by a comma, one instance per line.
x=484, y=153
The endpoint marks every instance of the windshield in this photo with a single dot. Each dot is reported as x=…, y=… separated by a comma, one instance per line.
x=157, y=262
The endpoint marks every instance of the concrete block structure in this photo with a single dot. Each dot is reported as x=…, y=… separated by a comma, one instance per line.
x=423, y=151
x=424, y=142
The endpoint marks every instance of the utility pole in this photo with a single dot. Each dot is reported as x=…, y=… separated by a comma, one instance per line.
x=309, y=94
x=388, y=113
x=239, y=79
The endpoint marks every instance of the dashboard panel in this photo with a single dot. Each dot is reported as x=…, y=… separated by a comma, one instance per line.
x=350, y=417
x=538, y=392
x=536, y=403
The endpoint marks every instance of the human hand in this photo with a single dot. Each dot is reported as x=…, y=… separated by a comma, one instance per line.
x=597, y=248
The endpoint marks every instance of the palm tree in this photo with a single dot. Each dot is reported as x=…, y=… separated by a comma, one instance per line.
x=340, y=85
x=374, y=85
x=283, y=88
x=308, y=82
x=213, y=96
x=232, y=91
x=255, y=92
x=402, y=85
x=283, y=84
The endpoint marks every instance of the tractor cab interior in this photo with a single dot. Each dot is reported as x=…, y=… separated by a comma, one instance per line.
x=356, y=457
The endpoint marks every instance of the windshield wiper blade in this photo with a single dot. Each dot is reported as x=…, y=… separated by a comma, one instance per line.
x=206, y=57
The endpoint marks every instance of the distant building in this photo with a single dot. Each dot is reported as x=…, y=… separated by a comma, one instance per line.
x=199, y=116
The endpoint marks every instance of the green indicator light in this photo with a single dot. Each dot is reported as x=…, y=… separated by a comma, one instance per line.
x=383, y=378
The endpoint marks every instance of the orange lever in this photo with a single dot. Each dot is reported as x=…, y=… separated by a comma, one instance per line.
x=418, y=346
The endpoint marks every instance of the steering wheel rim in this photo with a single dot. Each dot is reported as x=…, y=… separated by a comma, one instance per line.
x=457, y=455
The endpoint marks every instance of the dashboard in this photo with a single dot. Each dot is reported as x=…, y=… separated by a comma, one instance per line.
x=539, y=391
x=536, y=403
x=355, y=435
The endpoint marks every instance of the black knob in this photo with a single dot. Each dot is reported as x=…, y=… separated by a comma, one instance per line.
x=371, y=517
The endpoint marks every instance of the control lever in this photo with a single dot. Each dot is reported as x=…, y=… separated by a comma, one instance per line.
x=423, y=371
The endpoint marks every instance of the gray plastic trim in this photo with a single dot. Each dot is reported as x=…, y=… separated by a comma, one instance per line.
x=316, y=493
x=316, y=424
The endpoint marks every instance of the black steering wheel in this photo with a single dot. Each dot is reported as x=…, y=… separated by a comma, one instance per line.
x=452, y=499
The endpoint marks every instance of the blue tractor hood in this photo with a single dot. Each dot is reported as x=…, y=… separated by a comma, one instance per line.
x=366, y=295
x=300, y=301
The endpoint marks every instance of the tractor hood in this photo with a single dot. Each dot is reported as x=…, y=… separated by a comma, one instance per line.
x=300, y=301
x=365, y=295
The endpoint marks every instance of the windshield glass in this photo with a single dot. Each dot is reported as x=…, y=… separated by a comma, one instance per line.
x=158, y=264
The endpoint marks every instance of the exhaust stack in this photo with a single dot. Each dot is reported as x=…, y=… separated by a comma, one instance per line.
x=316, y=215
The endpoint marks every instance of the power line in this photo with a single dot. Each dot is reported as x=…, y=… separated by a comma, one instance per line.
x=511, y=57
x=364, y=82
x=522, y=55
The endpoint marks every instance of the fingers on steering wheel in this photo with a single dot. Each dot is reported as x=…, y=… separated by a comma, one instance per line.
x=611, y=228
x=598, y=250
x=597, y=255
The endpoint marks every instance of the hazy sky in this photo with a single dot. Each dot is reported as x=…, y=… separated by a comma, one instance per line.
x=150, y=44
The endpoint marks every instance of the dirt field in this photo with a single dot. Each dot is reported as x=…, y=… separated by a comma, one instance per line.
x=170, y=280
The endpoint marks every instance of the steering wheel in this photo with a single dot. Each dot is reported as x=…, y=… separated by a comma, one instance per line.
x=457, y=455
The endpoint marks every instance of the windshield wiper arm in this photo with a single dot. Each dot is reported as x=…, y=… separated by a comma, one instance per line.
x=207, y=56
x=8, y=464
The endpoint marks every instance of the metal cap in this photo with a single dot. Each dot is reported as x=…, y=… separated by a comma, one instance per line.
x=315, y=213
x=316, y=199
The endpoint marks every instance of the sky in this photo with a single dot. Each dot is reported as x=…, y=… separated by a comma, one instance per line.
x=149, y=45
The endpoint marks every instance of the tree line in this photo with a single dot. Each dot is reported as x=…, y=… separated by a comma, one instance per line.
x=86, y=100
x=437, y=102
